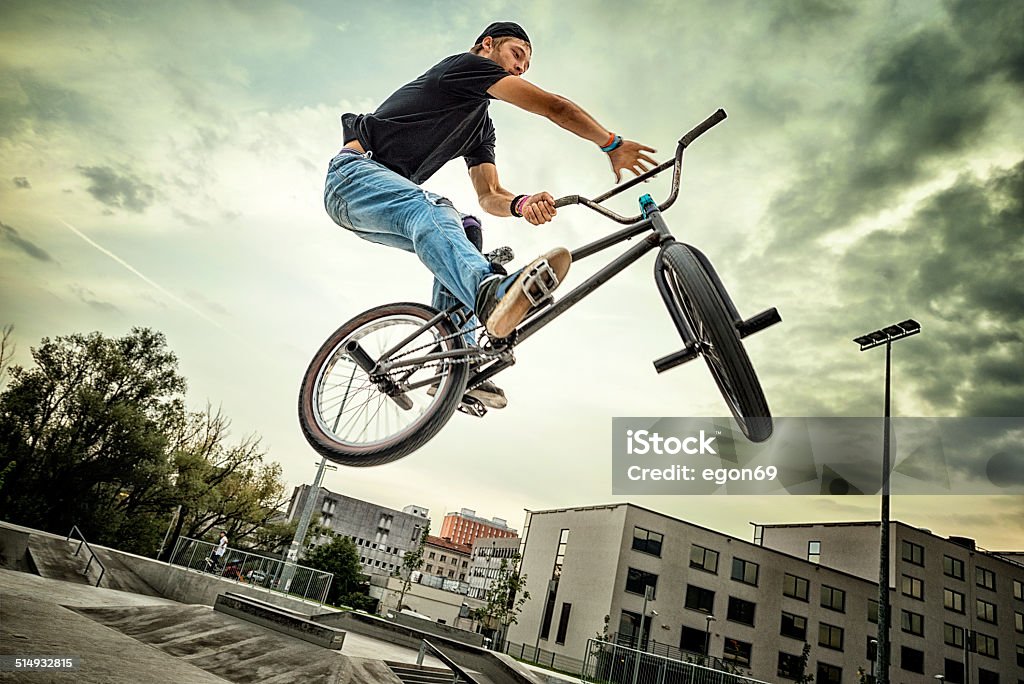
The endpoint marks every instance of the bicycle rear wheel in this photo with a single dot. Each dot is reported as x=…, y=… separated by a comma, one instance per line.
x=350, y=418
x=718, y=341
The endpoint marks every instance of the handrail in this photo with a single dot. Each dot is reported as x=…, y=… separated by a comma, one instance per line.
x=460, y=674
x=92, y=554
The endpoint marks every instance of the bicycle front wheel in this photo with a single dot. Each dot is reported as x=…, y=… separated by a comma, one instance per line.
x=718, y=341
x=357, y=420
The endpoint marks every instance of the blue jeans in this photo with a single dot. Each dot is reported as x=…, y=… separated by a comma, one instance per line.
x=378, y=205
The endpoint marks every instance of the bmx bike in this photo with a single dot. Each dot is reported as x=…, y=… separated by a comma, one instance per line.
x=388, y=380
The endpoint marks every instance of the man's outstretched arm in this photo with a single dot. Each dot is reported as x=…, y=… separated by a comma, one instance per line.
x=627, y=156
x=538, y=208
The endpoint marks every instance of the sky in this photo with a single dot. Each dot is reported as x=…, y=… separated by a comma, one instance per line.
x=162, y=165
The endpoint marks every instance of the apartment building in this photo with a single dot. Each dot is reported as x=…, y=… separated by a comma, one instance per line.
x=465, y=526
x=953, y=604
x=445, y=558
x=485, y=562
x=664, y=582
x=382, y=535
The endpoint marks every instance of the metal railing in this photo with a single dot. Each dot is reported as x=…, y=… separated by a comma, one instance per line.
x=459, y=675
x=669, y=651
x=244, y=567
x=609, y=663
x=538, y=656
x=92, y=554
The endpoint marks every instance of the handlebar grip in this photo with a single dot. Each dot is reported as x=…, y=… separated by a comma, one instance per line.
x=567, y=200
x=703, y=127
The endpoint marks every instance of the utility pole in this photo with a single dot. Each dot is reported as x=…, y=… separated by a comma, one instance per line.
x=292, y=556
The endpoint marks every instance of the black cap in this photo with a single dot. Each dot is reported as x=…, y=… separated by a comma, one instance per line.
x=500, y=29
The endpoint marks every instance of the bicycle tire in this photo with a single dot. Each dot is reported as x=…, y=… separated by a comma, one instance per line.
x=436, y=411
x=719, y=342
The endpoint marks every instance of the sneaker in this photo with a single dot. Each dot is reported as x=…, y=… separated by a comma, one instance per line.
x=487, y=393
x=503, y=302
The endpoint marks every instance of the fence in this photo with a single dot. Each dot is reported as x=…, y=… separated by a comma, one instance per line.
x=244, y=567
x=539, y=656
x=609, y=663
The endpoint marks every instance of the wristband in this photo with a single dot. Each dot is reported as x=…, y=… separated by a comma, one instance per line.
x=516, y=207
x=613, y=145
x=611, y=139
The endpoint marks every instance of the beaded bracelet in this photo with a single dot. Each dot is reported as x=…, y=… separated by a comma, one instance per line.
x=613, y=144
x=515, y=208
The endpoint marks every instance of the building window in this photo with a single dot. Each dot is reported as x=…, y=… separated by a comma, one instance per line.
x=745, y=571
x=953, y=567
x=833, y=599
x=704, y=559
x=1018, y=590
x=1018, y=621
x=794, y=626
x=741, y=611
x=913, y=587
x=637, y=582
x=830, y=636
x=953, y=600
x=698, y=598
x=953, y=635
x=563, y=543
x=563, y=623
x=985, y=578
x=789, y=666
x=693, y=640
x=829, y=674
x=629, y=629
x=431, y=555
x=646, y=541
x=430, y=567
x=987, y=676
x=954, y=670
x=1020, y=655
x=795, y=587
x=986, y=611
x=873, y=611
x=913, y=553
x=814, y=551
x=912, y=660
x=913, y=623
x=986, y=645
x=736, y=651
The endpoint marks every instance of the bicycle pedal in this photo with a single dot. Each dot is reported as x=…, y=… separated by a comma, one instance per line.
x=472, y=406
x=501, y=255
x=539, y=282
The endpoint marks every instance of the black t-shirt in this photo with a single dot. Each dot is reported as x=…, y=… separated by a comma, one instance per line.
x=432, y=120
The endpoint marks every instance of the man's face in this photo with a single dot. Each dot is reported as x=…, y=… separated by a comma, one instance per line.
x=513, y=55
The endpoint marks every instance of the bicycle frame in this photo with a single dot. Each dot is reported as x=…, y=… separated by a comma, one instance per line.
x=650, y=220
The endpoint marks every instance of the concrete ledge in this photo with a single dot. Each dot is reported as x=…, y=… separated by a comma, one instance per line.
x=282, y=621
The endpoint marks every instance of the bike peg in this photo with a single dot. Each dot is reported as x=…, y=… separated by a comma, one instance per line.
x=645, y=204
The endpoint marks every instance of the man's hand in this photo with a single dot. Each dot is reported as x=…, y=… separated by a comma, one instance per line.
x=630, y=156
x=539, y=208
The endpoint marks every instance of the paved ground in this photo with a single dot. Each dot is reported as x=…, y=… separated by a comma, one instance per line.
x=130, y=638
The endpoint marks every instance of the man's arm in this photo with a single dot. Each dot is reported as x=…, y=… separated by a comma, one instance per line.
x=539, y=207
x=570, y=116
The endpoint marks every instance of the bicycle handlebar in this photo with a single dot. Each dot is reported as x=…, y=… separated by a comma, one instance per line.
x=676, y=163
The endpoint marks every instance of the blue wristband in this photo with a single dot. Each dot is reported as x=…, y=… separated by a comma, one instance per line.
x=615, y=144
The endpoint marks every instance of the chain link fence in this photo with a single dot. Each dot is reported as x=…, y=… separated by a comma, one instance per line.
x=253, y=569
x=609, y=663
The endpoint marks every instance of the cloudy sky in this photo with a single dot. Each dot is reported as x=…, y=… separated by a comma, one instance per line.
x=161, y=165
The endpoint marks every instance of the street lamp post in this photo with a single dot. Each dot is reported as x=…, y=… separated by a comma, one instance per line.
x=871, y=340
x=707, y=638
x=292, y=554
x=873, y=660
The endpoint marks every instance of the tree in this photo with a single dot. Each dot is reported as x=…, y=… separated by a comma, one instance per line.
x=7, y=349
x=340, y=558
x=505, y=598
x=82, y=435
x=411, y=562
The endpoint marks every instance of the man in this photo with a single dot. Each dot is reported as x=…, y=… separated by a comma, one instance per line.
x=213, y=562
x=372, y=184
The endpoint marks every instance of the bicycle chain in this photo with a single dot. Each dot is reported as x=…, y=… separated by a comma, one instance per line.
x=469, y=358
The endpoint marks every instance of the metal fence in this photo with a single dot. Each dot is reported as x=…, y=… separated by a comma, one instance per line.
x=254, y=569
x=539, y=656
x=610, y=663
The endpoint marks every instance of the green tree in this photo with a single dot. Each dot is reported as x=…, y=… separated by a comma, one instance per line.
x=82, y=436
x=411, y=562
x=340, y=558
x=505, y=598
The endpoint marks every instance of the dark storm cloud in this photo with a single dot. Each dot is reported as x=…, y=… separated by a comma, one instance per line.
x=957, y=267
x=930, y=95
x=21, y=183
x=10, y=234
x=117, y=190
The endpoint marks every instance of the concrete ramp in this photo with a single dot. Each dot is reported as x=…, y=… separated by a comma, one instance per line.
x=54, y=558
